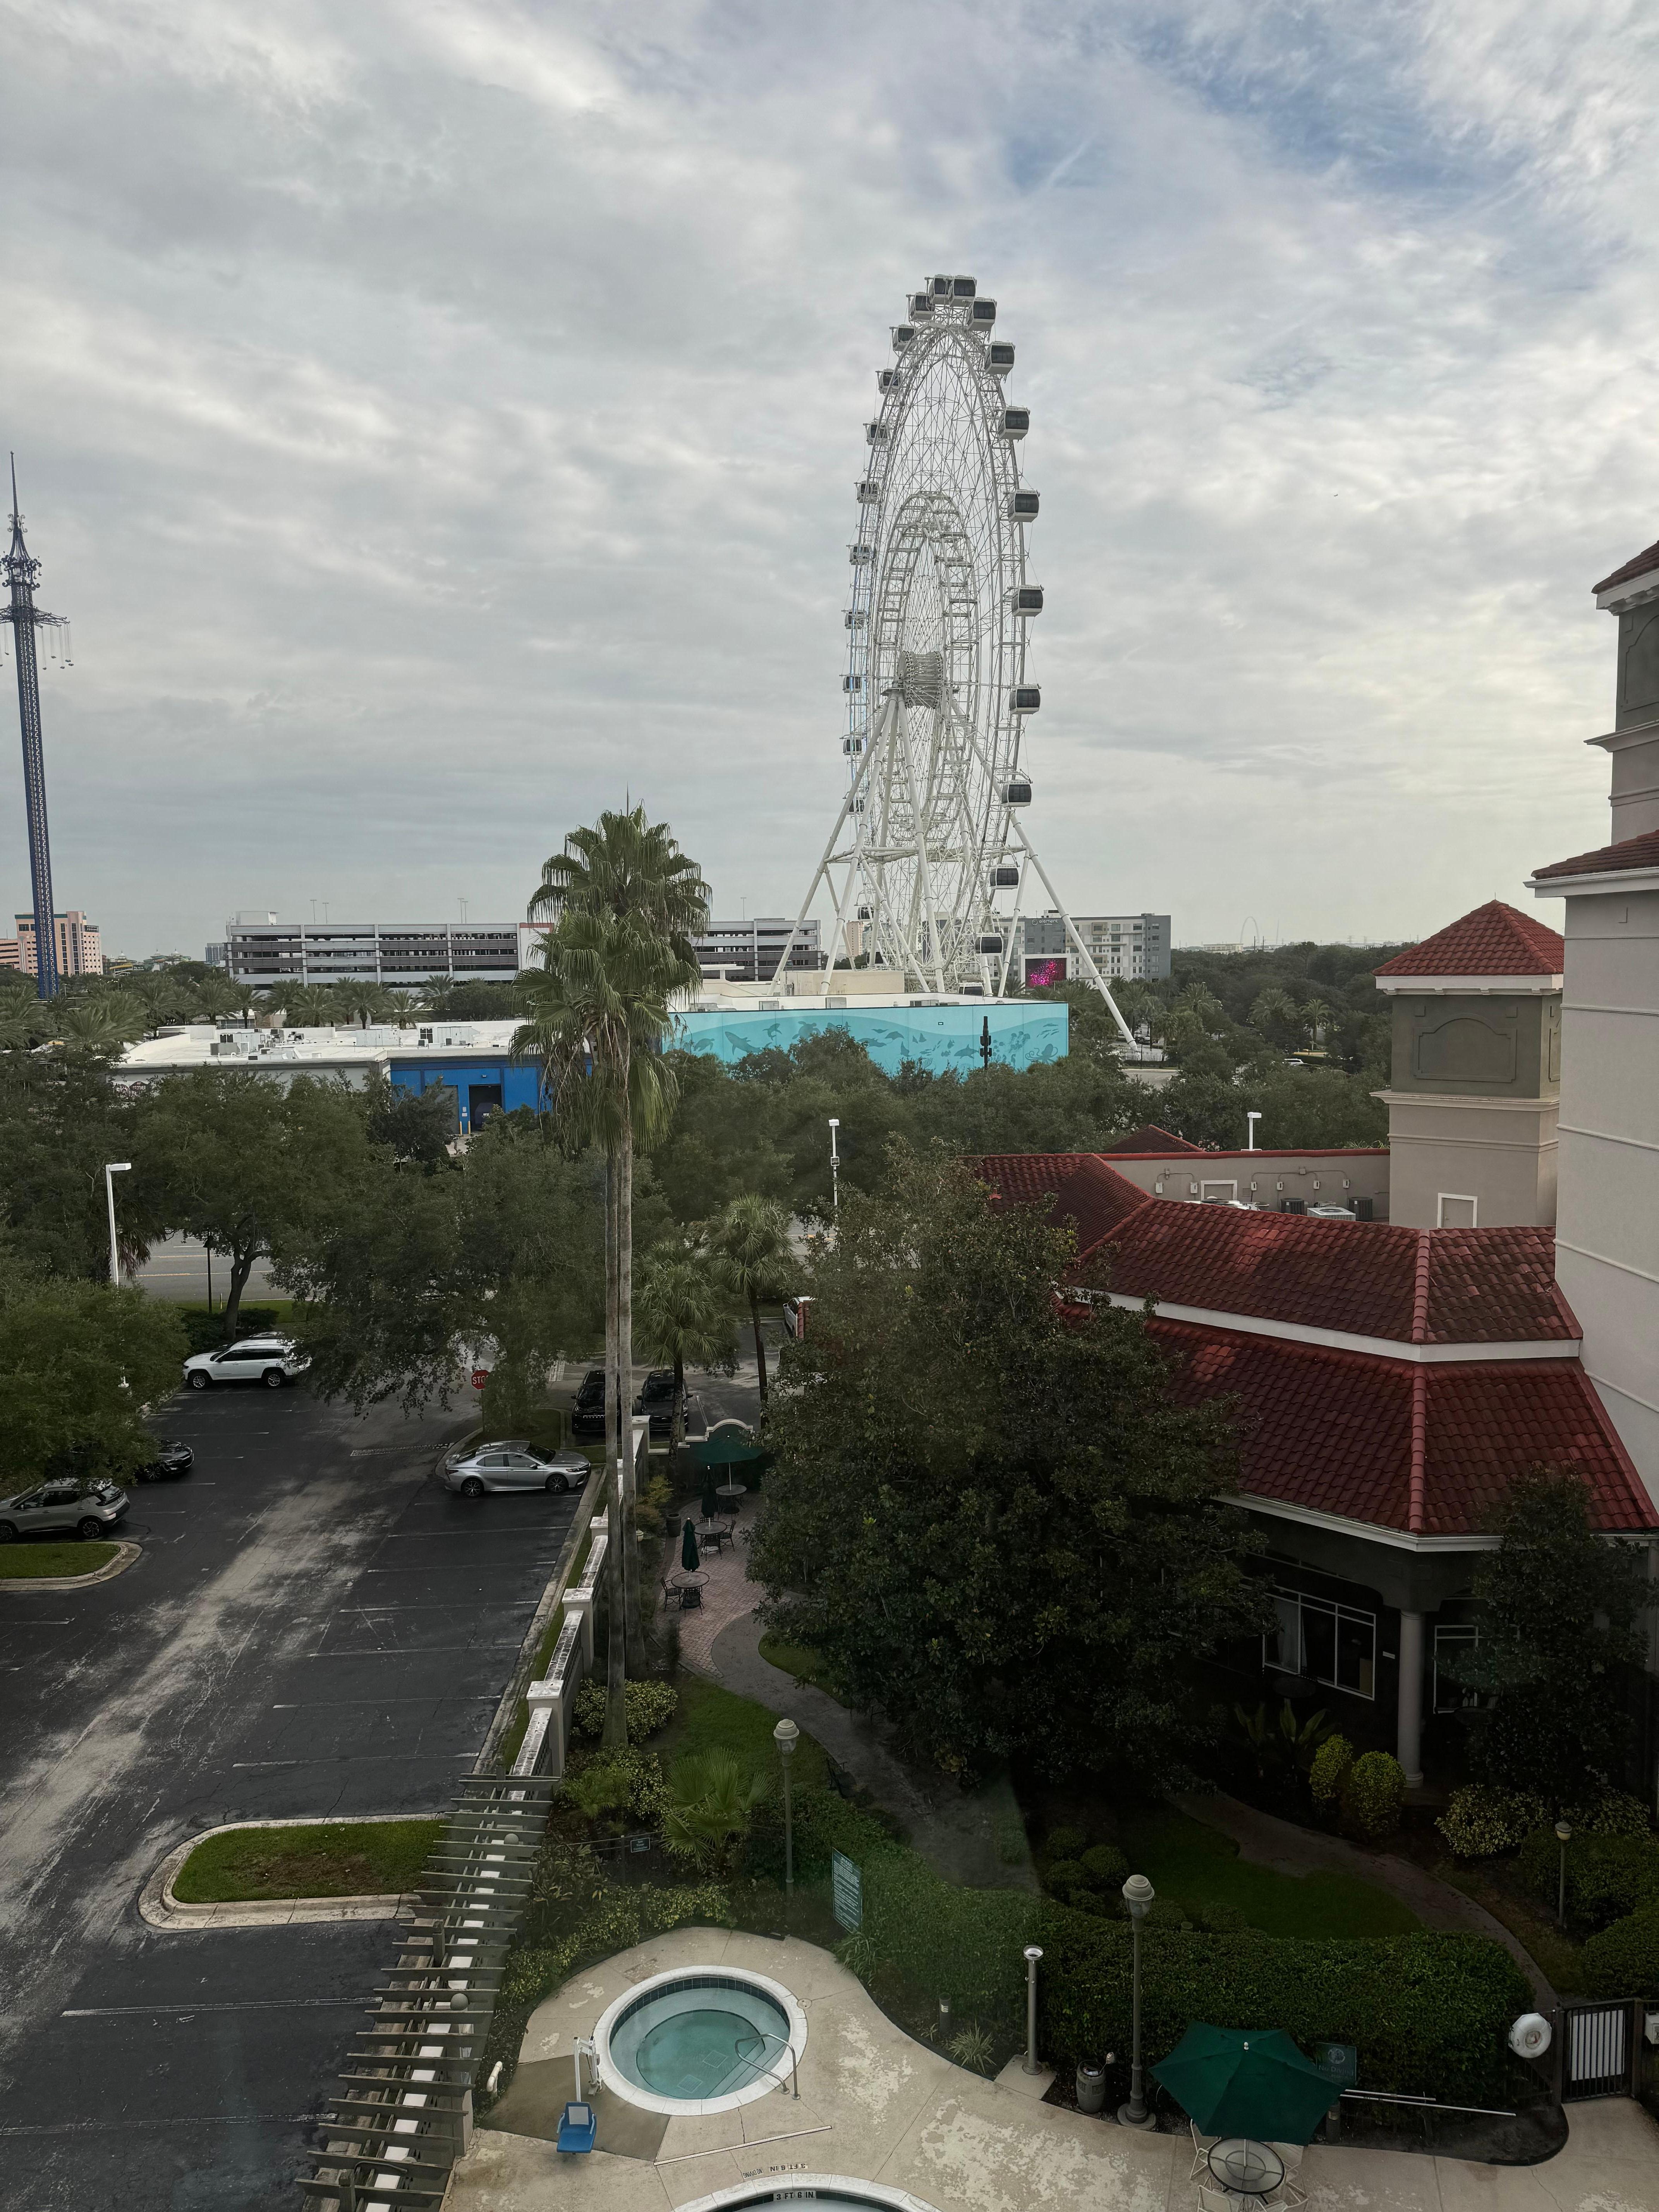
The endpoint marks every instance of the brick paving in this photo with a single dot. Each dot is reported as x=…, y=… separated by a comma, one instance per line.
x=727, y=1596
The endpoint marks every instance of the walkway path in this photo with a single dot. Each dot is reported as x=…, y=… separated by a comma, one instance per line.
x=1290, y=1850
x=958, y=1834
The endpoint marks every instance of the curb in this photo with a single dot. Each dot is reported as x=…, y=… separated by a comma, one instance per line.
x=126, y=1555
x=159, y=1908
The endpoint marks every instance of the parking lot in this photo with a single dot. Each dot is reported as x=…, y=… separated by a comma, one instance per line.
x=316, y=1626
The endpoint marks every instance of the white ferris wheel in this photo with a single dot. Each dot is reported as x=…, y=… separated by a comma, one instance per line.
x=928, y=861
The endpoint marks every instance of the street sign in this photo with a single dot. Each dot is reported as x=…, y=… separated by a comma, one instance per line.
x=480, y=1377
x=848, y=1885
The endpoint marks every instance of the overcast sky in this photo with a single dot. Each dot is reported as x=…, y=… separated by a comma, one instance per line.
x=441, y=420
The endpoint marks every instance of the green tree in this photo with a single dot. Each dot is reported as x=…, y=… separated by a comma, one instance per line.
x=61, y=1119
x=1276, y=1016
x=242, y=1165
x=750, y=1242
x=1559, y=1648
x=79, y=1361
x=711, y=1796
x=991, y=1517
x=366, y=1002
x=683, y=1318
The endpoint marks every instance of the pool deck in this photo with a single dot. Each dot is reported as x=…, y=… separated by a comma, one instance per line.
x=876, y=2105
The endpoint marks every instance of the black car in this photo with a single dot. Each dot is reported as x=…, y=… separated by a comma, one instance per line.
x=171, y=1460
x=587, y=1413
x=656, y=1398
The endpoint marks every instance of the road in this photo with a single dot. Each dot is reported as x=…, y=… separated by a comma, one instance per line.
x=185, y=1272
x=315, y=1627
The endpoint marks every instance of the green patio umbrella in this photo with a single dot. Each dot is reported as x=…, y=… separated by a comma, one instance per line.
x=690, y=1558
x=711, y=1504
x=1247, y=2081
x=729, y=1448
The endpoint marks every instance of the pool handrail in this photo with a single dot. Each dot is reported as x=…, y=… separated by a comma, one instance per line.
x=763, y=2037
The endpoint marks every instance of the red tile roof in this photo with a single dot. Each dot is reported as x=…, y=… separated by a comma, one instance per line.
x=1149, y=1138
x=1360, y=1278
x=1641, y=852
x=1427, y=1449
x=1494, y=940
x=1648, y=558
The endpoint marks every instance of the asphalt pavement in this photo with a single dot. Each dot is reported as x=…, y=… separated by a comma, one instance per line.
x=315, y=1626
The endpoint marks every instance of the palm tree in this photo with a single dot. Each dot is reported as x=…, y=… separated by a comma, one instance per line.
x=215, y=996
x=644, y=898
x=366, y=1001
x=751, y=1241
x=104, y=1023
x=684, y=1319
x=710, y=1798
x=313, y=1005
x=1276, y=1016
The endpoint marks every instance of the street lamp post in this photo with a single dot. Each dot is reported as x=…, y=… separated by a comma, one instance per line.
x=1033, y=1953
x=834, y=1168
x=1138, y=1895
x=1564, y=1836
x=785, y=1735
x=1252, y=1118
x=111, y=1168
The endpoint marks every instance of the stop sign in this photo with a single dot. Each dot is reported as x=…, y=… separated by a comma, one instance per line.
x=480, y=1377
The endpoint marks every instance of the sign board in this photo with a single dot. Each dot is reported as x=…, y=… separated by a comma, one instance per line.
x=1337, y=2062
x=480, y=1377
x=847, y=1884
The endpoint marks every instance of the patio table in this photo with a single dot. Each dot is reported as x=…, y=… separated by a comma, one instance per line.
x=734, y=1494
x=689, y=1587
x=1246, y=2168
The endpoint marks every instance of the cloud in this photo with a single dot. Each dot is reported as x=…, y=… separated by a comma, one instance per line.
x=439, y=421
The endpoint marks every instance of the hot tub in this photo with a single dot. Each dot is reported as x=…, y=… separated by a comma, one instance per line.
x=700, y=2041
x=818, y=2193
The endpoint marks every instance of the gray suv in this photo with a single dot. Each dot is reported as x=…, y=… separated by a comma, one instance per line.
x=91, y=1509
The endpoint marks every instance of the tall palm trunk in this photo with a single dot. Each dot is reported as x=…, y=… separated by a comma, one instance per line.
x=634, y=1625
x=615, y=1735
x=760, y=1348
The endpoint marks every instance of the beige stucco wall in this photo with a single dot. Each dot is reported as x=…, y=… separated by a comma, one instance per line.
x=1501, y=1151
x=1608, y=1223
x=1266, y=1178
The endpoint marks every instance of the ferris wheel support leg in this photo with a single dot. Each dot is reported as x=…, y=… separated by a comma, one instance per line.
x=821, y=873
x=1071, y=931
x=924, y=871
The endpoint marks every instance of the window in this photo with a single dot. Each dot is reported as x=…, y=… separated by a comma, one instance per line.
x=1452, y=1639
x=1336, y=1644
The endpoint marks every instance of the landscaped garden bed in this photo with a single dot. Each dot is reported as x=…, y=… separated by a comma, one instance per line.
x=344, y=1858
x=36, y=1562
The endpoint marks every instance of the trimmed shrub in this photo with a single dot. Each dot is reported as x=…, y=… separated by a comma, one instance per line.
x=1219, y=1919
x=1428, y=2013
x=1105, y=1865
x=647, y=1707
x=647, y=1792
x=1065, y=1843
x=1480, y=1821
x=1614, y=1813
x=1607, y=1876
x=823, y=1822
x=1327, y=1773
x=1623, y=1961
x=1066, y=1877
x=963, y=1944
x=1373, y=1791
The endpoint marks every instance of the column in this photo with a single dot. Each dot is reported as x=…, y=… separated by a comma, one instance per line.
x=1409, y=1725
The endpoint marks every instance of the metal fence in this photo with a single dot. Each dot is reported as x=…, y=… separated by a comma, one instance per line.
x=1598, y=2048
x=401, y=2113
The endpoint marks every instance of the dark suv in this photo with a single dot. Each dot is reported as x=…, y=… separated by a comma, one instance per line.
x=656, y=1398
x=587, y=1413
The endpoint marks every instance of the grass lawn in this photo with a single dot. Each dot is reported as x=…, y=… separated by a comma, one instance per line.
x=345, y=1858
x=1181, y=1859
x=21, y=1562
x=801, y=1660
x=712, y=1719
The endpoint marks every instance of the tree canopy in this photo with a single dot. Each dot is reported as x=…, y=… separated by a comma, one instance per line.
x=989, y=1515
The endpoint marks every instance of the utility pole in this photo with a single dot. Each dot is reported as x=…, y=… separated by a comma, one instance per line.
x=20, y=571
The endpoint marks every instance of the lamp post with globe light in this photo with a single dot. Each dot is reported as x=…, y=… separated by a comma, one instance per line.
x=1138, y=1895
x=1563, y=1836
x=785, y=1735
x=835, y=1167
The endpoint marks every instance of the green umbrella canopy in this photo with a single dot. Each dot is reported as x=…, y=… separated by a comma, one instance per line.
x=727, y=1447
x=690, y=1558
x=1247, y=2081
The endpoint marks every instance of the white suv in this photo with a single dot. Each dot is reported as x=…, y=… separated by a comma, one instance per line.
x=273, y=1360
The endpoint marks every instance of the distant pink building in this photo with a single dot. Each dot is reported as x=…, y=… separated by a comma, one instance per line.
x=80, y=951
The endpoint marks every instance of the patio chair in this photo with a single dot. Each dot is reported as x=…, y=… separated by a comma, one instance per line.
x=673, y=1595
x=1202, y=2146
x=577, y=2128
x=1291, y=2155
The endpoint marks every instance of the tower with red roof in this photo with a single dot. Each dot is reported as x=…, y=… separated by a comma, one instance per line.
x=1476, y=1072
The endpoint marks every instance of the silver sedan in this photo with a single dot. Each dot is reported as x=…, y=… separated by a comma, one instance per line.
x=510, y=1463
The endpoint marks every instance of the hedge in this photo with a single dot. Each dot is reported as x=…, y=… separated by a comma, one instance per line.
x=1623, y=1961
x=823, y=1822
x=1428, y=2013
x=1607, y=1876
